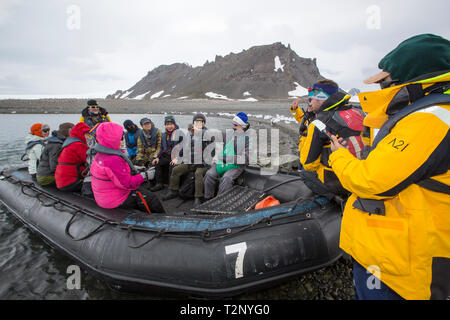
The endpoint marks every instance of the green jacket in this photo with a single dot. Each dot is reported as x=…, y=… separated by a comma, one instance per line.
x=230, y=154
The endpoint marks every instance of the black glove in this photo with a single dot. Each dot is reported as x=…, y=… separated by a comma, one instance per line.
x=307, y=118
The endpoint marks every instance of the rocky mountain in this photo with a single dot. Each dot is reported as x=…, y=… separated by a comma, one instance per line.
x=261, y=72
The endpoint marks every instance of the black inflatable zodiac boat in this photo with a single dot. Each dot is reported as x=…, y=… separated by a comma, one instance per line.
x=221, y=248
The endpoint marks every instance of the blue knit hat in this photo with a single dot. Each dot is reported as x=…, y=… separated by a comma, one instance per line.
x=241, y=118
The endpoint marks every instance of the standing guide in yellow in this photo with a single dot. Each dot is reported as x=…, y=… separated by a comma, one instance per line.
x=396, y=223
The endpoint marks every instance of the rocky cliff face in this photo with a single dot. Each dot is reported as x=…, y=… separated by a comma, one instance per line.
x=262, y=72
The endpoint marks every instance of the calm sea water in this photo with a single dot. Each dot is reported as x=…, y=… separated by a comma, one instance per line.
x=30, y=269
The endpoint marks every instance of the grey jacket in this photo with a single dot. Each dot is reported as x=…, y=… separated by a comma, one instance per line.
x=50, y=154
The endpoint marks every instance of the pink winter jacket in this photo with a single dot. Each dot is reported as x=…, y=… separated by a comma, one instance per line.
x=119, y=181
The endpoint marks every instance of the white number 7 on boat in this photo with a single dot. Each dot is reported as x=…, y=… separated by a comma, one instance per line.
x=240, y=248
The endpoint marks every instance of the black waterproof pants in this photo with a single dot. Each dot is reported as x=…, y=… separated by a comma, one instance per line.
x=163, y=170
x=134, y=201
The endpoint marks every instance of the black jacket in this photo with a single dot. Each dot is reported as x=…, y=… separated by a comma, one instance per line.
x=92, y=120
x=197, y=148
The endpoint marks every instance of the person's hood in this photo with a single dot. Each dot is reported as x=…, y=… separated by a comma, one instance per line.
x=132, y=129
x=170, y=132
x=58, y=135
x=79, y=130
x=109, y=134
x=31, y=137
x=153, y=131
x=379, y=105
x=335, y=101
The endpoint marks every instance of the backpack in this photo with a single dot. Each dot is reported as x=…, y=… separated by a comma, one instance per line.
x=187, y=188
x=50, y=162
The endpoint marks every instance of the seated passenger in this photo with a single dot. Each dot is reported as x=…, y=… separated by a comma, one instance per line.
x=115, y=182
x=71, y=167
x=230, y=169
x=148, y=143
x=93, y=114
x=49, y=157
x=131, y=137
x=35, y=142
x=165, y=162
x=197, y=140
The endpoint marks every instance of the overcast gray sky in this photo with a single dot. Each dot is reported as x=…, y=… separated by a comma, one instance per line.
x=59, y=48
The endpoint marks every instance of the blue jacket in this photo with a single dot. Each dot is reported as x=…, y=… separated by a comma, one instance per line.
x=131, y=142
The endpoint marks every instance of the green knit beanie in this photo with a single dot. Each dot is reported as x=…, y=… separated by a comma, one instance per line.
x=169, y=118
x=416, y=56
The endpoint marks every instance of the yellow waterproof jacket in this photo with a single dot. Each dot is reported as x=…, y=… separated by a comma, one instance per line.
x=298, y=115
x=409, y=246
x=316, y=147
x=324, y=172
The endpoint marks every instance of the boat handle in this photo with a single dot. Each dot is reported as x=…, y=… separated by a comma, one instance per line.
x=147, y=241
x=69, y=224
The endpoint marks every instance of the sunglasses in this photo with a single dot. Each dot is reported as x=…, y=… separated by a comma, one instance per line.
x=314, y=91
x=93, y=107
x=45, y=130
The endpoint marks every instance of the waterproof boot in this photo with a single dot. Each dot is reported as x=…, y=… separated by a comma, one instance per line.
x=158, y=187
x=197, y=202
x=171, y=194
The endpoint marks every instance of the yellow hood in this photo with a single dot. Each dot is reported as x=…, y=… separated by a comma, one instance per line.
x=375, y=103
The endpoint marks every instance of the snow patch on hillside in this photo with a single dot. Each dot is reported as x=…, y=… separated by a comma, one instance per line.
x=299, y=91
x=156, y=95
x=141, y=96
x=278, y=64
x=126, y=94
x=213, y=95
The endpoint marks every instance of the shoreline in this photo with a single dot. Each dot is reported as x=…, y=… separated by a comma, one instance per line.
x=277, y=111
x=139, y=106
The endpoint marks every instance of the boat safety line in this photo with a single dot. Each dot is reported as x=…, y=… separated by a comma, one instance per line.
x=75, y=208
x=94, y=231
x=281, y=183
x=159, y=234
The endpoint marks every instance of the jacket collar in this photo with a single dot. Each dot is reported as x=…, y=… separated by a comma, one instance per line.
x=381, y=104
